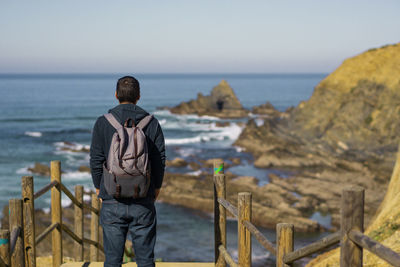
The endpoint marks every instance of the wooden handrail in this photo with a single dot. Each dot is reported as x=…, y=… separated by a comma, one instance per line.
x=70, y=195
x=86, y=206
x=44, y=189
x=94, y=243
x=229, y=207
x=260, y=237
x=71, y=233
x=47, y=231
x=375, y=247
x=312, y=248
x=227, y=257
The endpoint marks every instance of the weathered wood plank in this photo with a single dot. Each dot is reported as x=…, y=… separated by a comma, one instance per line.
x=133, y=264
x=56, y=215
x=46, y=231
x=16, y=221
x=244, y=235
x=29, y=221
x=284, y=242
x=312, y=248
x=260, y=237
x=78, y=223
x=70, y=195
x=71, y=234
x=94, y=229
x=375, y=247
x=44, y=189
x=5, y=248
x=352, y=218
x=228, y=206
x=228, y=259
x=219, y=216
x=15, y=233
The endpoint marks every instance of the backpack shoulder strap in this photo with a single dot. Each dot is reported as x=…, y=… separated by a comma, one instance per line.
x=143, y=123
x=112, y=120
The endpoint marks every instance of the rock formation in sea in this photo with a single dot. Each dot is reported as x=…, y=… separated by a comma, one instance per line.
x=346, y=133
x=222, y=102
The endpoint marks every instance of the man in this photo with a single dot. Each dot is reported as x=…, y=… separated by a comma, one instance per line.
x=119, y=216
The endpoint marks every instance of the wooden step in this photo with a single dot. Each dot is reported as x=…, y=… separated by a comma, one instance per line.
x=132, y=264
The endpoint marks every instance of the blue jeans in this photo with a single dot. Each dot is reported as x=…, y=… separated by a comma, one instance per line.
x=139, y=219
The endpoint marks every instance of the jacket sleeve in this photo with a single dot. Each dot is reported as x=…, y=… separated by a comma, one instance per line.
x=97, y=156
x=157, y=158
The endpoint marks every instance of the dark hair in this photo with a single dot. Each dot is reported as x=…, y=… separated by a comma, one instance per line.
x=128, y=89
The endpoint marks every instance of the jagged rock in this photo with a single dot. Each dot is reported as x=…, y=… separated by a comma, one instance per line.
x=221, y=103
x=176, y=162
x=194, y=165
x=40, y=169
x=271, y=203
x=84, y=169
x=72, y=147
x=236, y=161
x=266, y=109
x=222, y=123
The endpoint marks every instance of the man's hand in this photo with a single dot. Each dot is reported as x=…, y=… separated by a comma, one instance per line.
x=97, y=193
x=157, y=193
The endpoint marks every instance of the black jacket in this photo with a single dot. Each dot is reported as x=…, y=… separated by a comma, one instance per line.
x=101, y=140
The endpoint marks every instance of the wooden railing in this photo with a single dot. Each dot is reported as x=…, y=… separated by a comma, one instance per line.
x=19, y=247
x=351, y=238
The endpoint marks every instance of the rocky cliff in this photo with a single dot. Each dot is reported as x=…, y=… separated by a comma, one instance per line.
x=357, y=105
x=222, y=102
x=346, y=133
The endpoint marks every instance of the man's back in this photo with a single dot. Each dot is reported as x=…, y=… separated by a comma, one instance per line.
x=120, y=216
x=101, y=141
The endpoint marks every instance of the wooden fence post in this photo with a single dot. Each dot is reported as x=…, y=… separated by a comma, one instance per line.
x=284, y=242
x=219, y=212
x=56, y=216
x=352, y=218
x=29, y=221
x=5, y=248
x=78, y=223
x=219, y=218
x=94, y=229
x=244, y=235
x=15, y=221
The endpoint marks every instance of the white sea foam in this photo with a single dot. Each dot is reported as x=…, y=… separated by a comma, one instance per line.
x=259, y=122
x=195, y=173
x=76, y=175
x=70, y=148
x=34, y=134
x=239, y=149
x=86, y=198
x=167, y=113
x=188, y=151
x=24, y=170
x=215, y=133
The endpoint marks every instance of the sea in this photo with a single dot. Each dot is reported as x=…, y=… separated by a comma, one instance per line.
x=43, y=114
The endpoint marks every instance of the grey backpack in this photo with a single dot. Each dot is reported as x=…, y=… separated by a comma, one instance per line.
x=126, y=173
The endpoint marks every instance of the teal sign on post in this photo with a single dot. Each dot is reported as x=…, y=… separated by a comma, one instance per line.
x=219, y=169
x=3, y=241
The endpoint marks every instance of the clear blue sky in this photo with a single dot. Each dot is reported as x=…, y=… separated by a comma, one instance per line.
x=190, y=36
